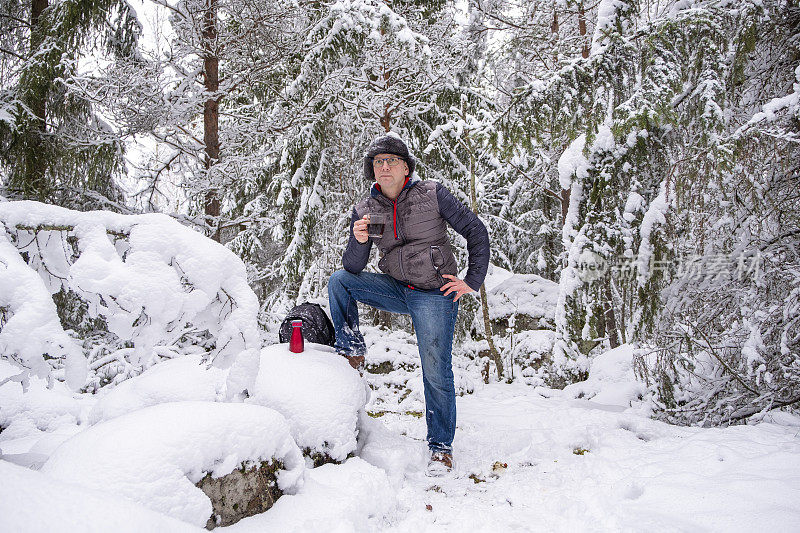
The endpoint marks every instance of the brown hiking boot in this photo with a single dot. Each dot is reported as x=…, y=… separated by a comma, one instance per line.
x=356, y=361
x=440, y=464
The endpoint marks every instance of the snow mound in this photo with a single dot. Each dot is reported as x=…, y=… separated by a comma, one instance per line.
x=42, y=407
x=31, y=501
x=397, y=347
x=395, y=454
x=319, y=394
x=154, y=456
x=354, y=496
x=36, y=422
x=533, y=344
x=495, y=275
x=611, y=379
x=524, y=294
x=186, y=378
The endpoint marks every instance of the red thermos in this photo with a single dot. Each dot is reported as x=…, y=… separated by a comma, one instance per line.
x=296, y=341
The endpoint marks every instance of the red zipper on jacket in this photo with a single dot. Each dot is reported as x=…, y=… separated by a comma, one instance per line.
x=394, y=218
x=394, y=206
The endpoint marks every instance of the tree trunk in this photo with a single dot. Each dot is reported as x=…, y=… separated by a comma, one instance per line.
x=494, y=355
x=564, y=204
x=211, y=107
x=554, y=32
x=386, y=119
x=37, y=37
x=36, y=164
x=564, y=192
x=582, y=30
x=610, y=319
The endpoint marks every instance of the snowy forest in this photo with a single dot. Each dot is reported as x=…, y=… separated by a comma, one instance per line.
x=176, y=175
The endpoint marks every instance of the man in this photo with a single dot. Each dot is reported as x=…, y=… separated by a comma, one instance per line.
x=419, y=276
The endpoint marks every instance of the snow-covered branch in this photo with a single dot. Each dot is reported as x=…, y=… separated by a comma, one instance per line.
x=145, y=276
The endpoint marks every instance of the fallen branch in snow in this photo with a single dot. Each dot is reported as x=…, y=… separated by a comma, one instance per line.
x=735, y=375
x=63, y=227
x=747, y=412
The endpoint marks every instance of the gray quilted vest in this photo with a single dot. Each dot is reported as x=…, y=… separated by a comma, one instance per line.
x=420, y=252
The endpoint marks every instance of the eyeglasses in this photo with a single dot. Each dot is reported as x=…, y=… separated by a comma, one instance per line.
x=392, y=161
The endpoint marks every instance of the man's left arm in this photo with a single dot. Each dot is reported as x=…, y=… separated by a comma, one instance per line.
x=467, y=223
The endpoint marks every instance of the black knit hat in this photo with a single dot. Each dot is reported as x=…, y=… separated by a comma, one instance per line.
x=387, y=144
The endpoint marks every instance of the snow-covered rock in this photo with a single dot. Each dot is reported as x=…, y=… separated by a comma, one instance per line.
x=246, y=491
x=532, y=351
x=528, y=298
x=354, y=496
x=390, y=351
x=611, y=379
x=185, y=378
x=31, y=501
x=533, y=344
x=394, y=374
x=522, y=315
x=319, y=394
x=154, y=456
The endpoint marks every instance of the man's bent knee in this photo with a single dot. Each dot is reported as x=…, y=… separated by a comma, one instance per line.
x=339, y=277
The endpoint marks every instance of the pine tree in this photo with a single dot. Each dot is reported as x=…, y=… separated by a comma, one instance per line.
x=532, y=42
x=54, y=146
x=726, y=339
x=624, y=110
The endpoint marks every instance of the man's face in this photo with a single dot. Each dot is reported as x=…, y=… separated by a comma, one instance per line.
x=390, y=178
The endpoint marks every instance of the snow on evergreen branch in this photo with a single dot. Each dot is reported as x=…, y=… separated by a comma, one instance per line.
x=146, y=276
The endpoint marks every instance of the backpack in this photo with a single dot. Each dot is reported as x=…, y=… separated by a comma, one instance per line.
x=317, y=327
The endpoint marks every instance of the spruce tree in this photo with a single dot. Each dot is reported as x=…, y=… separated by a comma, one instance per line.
x=623, y=109
x=54, y=147
x=725, y=341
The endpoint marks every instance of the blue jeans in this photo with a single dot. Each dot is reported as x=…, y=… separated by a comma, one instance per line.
x=434, y=318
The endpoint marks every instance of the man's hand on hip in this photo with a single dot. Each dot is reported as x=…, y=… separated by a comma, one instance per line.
x=360, y=229
x=455, y=285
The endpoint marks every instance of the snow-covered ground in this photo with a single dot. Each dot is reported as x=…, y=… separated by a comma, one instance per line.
x=576, y=465
x=530, y=459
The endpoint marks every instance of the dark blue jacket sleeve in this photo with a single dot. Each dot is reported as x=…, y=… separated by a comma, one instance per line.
x=467, y=223
x=356, y=255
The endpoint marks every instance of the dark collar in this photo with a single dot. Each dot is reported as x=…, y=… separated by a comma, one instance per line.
x=375, y=191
